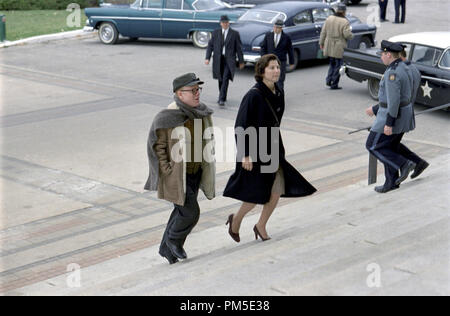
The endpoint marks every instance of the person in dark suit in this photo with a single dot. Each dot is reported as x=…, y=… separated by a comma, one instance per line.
x=383, y=6
x=398, y=4
x=280, y=44
x=262, y=173
x=225, y=45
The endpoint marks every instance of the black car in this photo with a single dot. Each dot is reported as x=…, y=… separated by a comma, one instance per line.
x=428, y=51
x=303, y=23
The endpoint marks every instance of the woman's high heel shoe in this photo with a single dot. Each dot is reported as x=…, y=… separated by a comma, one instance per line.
x=235, y=236
x=257, y=233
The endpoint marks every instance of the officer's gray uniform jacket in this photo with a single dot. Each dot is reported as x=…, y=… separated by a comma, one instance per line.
x=417, y=77
x=395, y=108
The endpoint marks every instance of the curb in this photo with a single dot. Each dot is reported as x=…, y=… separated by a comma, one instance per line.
x=48, y=37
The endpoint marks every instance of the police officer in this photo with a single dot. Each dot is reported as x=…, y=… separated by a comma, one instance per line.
x=421, y=164
x=398, y=4
x=280, y=44
x=394, y=117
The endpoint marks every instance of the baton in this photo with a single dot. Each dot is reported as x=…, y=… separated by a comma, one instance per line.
x=440, y=107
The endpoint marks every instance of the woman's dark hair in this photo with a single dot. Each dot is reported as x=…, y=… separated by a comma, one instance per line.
x=262, y=63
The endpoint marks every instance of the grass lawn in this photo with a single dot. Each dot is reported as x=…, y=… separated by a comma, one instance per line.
x=23, y=24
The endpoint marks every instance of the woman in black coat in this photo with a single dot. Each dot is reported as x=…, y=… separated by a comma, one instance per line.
x=259, y=179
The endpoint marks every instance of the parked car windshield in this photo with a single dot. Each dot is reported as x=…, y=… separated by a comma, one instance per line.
x=208, y=4
x=262, y=16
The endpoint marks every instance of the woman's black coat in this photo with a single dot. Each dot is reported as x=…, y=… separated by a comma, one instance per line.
x=254, y=186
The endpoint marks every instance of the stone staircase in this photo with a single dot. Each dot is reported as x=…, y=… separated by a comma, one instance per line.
x=348, y=241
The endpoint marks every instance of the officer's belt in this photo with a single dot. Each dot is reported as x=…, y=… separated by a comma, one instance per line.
x=402, y=104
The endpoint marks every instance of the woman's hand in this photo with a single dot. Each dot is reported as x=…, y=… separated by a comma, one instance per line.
x=247, y=163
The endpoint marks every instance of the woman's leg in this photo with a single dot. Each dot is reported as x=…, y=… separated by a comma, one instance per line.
x=237, y=218
x=266, y=213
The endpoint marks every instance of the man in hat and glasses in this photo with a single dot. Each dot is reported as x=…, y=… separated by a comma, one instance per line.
x=333, y=39
x=280, y=44
x=394, y=117
x=181, y=161
x=225, y=45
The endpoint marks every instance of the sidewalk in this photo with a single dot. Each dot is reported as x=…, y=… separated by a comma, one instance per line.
x=349, y=241
x=49, y=37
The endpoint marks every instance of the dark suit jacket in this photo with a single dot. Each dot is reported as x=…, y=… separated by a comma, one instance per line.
x=284, y=47
x=233, y=49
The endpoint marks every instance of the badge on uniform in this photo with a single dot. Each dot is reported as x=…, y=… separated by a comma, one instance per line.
x=392, y=77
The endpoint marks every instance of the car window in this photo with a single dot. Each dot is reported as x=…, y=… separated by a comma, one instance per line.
x=303, y=17
x=407, y=49
x=173, y=4
x=425, y=55
x=445, y=61
x=262, y=16
x=152, y=4
x=136, y=4
x=207, y=4
x=321, y=14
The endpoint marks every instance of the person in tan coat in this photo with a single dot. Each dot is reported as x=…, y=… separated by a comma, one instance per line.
x=180, y=150
x=333, y=39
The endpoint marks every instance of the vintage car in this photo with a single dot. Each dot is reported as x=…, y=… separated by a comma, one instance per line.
x=428, y=51
x=163, y=19
x=303, y=22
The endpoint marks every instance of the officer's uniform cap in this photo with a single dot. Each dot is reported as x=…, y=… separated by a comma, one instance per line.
x=387, y=46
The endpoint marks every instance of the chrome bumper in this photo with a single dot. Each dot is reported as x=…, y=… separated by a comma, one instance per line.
x=88, y=29
x=251, y=58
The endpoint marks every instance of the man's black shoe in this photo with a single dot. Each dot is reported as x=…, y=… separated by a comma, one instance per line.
x=382, y=189
x=169, y=257
x=335, y=88
x=421, y=166
x=404, y=171
x=221, y=103
x=176, y=250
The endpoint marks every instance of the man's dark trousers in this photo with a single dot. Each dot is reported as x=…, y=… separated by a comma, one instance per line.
x=183, y=218
x=224, y=80
x=385, y=149
x=282, y=74
x=383, y=7
x=399, y=3
x=333, y=72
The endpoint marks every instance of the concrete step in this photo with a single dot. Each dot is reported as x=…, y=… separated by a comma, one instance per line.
x=321, y=244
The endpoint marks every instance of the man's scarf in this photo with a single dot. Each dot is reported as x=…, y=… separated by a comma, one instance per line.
x=169, y=118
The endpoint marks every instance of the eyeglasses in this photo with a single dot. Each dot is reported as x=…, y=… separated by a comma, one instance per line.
x=193, y=91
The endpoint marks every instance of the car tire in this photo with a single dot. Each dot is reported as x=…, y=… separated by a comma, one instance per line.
x=365, y=43
x=373, y=85
x=201, y=38
x=108, y=34
x=296, y=61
